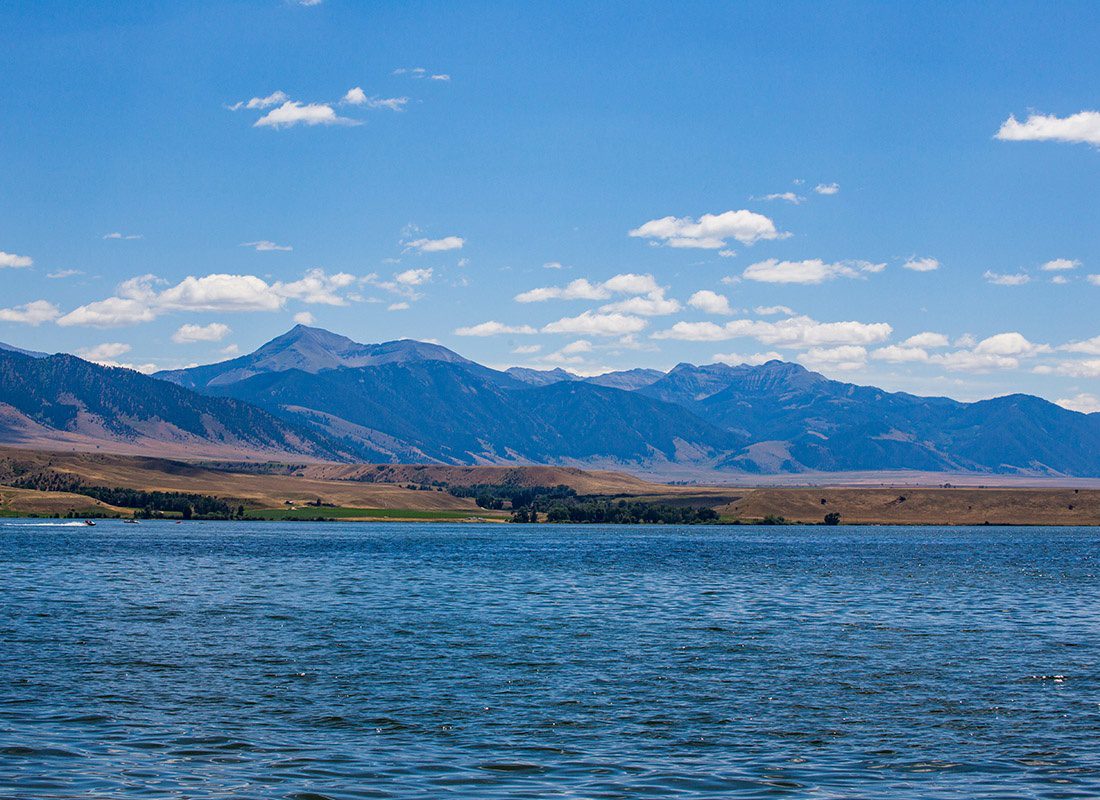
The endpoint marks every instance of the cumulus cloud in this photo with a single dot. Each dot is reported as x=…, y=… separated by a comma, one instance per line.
x=652, y=305
x=264, y=246
x=627, y=283
x=810, y=271
x=494, y=328
x=798, y=331
x=436, y=245
x=752, y=359
x=970, y=361
x=1084, y=402
x=33, y=313
x=1089, y=368
x=139, y=299
x=11, y=260
x=293, y=112
x=1088, y=346
x=845, y=357
x=1060, y=265
x=106, y=352
x=304, y=318
x=900, y=354
x=1080, y=128
x=355, y=97
x=1009, y=344
x=414, y=277
x=710, y=231
x=188, y=334
x=710, y=302
x=594, y=324
x=1002, y=279
x=827, y=188
x=924, y=264
x=927, y=339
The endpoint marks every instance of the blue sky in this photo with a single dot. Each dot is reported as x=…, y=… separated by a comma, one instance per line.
x=705, y=181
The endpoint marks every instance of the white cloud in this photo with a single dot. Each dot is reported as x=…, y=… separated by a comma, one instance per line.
x=494, y=328
x=436, y=245
x=827, y=188
x=1089, y=368
x=1083, y=127
x=583, y=289
x=1009, y=344
x=293, y=112
x=1059, y=280
x=355, y=97
x=969, y=361
x=64, y=273
x=273, y=99
x=414, y=277
x=846, y=357
x=108, y=351
x=899, y=354
x=924, y=264
x=810, y=271
x=710, y=231
x=1085, y=403
x=188, y=334
x=654, y=304
x=593, y=324
x=421, y=73
x=710, y=302
x=1088, y=346
x=137, y=300
x=126, y=237
x=1059, y=265
x=753, y=360
x=1001, y=279
x=527, y=349
x=317, y=287
x=230, y=350
x=927, y=339
x=13, y=261
x=33, y=313
x=767, y=311
x=387, y=103
x=790, y=197
x=1094, y=280
x=264, y=246
x=552, y=265
x=579, y=346
x=401, y=306
x=792, y=332
x=304, y=318
x=727, y=253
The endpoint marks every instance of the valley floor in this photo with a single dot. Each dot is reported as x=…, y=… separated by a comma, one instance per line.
x=422, y=492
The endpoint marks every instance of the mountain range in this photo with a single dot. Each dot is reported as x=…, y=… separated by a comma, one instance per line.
x=314, y=394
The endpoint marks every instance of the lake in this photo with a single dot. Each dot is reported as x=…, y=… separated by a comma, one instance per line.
x=314, y=660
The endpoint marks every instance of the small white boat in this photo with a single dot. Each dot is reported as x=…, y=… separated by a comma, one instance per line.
x=89, y=523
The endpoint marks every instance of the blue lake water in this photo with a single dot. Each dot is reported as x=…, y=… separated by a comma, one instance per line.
x=302, y=660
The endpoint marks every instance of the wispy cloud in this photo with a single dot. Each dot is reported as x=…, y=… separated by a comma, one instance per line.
x=827, y=188
x=1003, y=279
x=264, y=246
x=494, y=328
x=810, y=271
x=126, y=237
x=436, y=245
x=924, y=264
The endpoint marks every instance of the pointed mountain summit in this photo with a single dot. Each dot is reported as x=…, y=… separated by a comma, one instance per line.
x=311, y=350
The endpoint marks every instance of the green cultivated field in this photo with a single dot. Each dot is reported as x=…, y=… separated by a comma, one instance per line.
x=327, y=512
